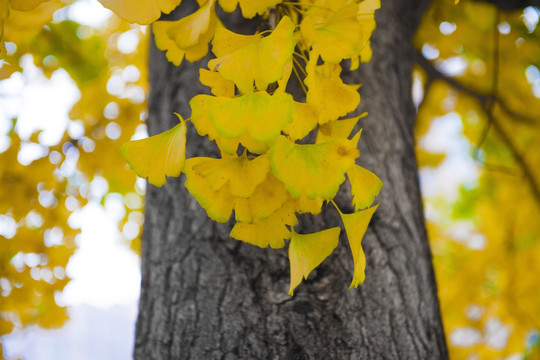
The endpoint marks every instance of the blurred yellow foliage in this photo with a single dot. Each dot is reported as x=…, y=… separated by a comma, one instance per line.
x=487, y=278
x=38, y=198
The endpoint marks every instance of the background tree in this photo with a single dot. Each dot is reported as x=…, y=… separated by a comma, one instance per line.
x=484, y=240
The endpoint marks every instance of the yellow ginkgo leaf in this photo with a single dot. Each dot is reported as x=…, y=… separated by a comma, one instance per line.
x=141, y=12
x=188, y=30
x=188, y=37
x=218, y=204
x=328, y=93
x=159, y=155
x=226, y=42
x=164, y=43
x=270, y=231
x=306, y=252
x=200, y=117
x=261, y=61
x=267, y=198
x=365, y=186
x=25, y=5
x=249, y=8
x=312, y=170
x=356, y=225
x=258, y=114
x=311, y=206
x=304, y=119
x=218, y=85
x=338, y=37
x=238, y=174
x=337, y=129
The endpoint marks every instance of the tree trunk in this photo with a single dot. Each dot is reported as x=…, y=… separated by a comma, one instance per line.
x=207, y=296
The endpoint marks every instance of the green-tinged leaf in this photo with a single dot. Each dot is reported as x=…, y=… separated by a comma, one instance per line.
x=158, y=156
x=258, y=114
x=312, y=170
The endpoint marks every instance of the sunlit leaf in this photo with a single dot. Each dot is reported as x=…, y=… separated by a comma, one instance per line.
x=158, y=156
x=141, y=12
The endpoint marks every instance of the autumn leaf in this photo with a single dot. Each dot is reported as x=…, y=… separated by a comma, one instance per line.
x=312, y=170
x=268, y=197
x=365, y=186
x=306, y=252
x=218, y=204
x=305, y=118
x=260, y=60
x=259, y=115
x=218, y=85
x=141, y=12
x=25, y=5
x=249, y=8
x=336, y=37
x=239, y=175
x=356, y=225
x=158, y=156
x=328, y=93
x=270, y=231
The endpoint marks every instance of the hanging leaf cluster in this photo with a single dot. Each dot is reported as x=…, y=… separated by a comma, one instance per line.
x=268, y=171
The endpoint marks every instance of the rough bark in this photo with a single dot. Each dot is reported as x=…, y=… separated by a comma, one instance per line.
x=206, y=296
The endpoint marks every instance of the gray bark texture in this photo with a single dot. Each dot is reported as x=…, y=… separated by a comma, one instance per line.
x=207, y=296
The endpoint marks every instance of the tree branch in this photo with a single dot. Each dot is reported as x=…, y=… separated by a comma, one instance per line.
x=433, y=74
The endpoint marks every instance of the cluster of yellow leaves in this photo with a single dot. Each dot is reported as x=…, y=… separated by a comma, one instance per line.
x=495, y=280
x=264, y=176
